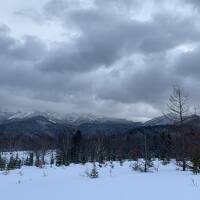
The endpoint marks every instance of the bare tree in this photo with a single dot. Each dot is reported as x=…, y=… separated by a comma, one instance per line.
x=99, y=148
x=178, y=108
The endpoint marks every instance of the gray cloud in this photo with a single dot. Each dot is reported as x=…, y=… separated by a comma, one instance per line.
x=194, y=3
x=114, y=63
x=107, y=36
x=188, y=64
x=31, y=14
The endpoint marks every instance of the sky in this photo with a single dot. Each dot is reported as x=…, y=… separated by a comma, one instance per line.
x=116, y=58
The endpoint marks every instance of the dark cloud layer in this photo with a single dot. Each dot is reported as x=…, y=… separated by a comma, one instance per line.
x=122, y=59
x=108, y=36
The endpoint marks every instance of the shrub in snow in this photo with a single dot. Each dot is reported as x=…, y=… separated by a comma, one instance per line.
x=100, y=165
x=111, y=168
x=6, y=172
x=165, y=161
x=195, y=165
x=93, y=173
x=136, y=166
x=106, y=164
x=29, y=160
x=142, y=166
x=21, y=173
x=44, y=174
x=194, y=183
x=39, y=163
x=179, y=164
x=111, y=165
x=156, y=167
x=121, y=162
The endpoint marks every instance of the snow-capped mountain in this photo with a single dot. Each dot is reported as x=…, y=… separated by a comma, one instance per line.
x=162, y=120
x=70, y=118
x=78, y=119
x=21, y=115
x=52, y=123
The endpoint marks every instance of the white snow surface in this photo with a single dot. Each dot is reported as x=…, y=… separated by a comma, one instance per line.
x=119, y=183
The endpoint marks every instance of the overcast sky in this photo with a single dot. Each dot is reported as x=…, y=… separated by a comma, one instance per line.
x=117, y=58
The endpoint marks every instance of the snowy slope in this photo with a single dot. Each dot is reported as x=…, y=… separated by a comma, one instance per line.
x=162, y=120
x=70, y=183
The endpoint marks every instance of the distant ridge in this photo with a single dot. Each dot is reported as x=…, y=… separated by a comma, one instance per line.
x=31, y=123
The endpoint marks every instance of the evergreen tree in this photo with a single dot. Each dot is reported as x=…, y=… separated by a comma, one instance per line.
x=75, y=150
x=17, y=162
x=52, y=160
x=2, y=163
x=196, y=164
x=31, y=159
x=59, y=158
x=94, y=173
x=11, y=163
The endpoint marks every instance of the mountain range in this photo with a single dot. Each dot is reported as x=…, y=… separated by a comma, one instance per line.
x=48, y=123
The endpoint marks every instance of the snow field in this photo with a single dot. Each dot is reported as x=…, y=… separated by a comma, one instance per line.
x=119, y=183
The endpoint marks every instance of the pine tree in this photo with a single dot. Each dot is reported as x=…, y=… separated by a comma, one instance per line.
x=11, y=164
x=59, y=158
x=52, y=160
x=195, y=164
x=26, y=163
x=17, y=162
x=31, y=159
x=2, y=163
x=94, y=173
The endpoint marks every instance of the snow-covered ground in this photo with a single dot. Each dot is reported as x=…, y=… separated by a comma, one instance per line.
x=118, y=183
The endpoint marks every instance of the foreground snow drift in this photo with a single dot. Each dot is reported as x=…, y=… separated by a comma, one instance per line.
x=120, y=182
